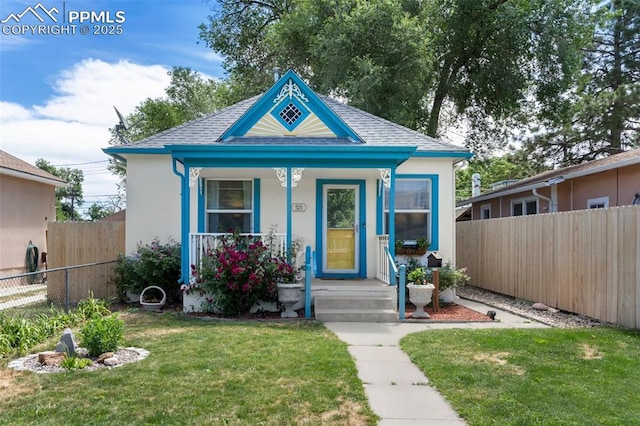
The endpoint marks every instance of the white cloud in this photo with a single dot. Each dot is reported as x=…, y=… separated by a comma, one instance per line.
x=72, y=126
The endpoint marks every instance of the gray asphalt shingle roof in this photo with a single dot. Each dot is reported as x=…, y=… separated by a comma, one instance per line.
x=372, y=130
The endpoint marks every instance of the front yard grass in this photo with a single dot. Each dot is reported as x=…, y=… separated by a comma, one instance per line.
x=534, y=377
x=201, y=372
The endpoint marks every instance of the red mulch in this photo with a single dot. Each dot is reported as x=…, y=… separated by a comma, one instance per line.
x=447, y=312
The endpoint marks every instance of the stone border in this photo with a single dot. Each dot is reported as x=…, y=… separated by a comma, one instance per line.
x=20, y=364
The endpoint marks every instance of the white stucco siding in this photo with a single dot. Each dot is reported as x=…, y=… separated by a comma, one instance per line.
x=153, y=200
x=446, y=198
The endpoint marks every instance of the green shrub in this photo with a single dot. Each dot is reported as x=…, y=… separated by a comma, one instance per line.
x=102, y=334
x=75, y=363
x=152, y=264
x=241, y=272
x=92, y=308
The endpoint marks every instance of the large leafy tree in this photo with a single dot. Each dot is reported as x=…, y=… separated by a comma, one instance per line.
x=189, y=96
x=601, y=116
x=70, y=197
x=410, y=61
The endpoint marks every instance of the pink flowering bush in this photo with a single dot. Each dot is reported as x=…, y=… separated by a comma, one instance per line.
x=241, y=272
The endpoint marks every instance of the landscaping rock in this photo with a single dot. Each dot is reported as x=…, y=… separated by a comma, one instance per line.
x=110, y=362
x=540, y=307
x=67, y=343
x=104, y=356
x=51, y=358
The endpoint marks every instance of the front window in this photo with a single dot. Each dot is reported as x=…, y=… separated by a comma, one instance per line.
x=412, y=208
x=229, y=206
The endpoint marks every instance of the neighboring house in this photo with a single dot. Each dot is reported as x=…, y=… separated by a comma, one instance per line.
x=27, y=203
x=322, y=172
x=607, y=182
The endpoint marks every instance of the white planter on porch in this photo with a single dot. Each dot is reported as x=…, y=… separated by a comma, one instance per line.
x=420, y=295
x=447, y=295
x=289, y=295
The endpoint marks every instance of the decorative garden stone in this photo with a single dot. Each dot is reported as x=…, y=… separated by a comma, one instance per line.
x=67, y=343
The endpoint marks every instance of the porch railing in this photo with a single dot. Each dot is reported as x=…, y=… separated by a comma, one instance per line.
x=398, y=275
x=382, y=272
x=200, y=243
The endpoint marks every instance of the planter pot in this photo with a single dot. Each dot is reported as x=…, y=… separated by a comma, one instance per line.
x=152, y=306
x=420, y=295
x=448, y=295
x=289, y=295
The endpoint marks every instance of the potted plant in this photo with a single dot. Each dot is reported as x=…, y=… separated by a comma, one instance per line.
x=422, y=245
x=449, y=278
x=420, y=292
x=287, y=278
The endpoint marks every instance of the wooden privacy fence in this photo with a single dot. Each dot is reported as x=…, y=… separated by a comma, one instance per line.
x=586, y=262
x=79, y=243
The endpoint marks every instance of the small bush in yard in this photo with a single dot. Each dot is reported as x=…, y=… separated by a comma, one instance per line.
x=152, y=264
x=102, y=334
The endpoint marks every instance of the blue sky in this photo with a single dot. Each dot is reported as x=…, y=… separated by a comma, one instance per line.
x=57, y=91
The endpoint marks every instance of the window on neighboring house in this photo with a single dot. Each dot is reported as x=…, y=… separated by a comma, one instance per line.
x=524, y=207
x=598, y=203
x=229, y=205
x=636, y=199
x=413, y=209
x=485, y=211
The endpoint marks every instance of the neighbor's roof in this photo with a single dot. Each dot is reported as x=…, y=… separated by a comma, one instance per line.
x=543, y=179
x=372, y=130
x=13, y=166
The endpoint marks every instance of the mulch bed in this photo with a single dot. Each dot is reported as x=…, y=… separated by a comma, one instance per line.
x=447, y=312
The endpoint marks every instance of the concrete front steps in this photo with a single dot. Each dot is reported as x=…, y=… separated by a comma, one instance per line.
x=370, y=301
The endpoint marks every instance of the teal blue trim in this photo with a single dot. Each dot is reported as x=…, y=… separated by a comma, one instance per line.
x=392, y=214
x=401, y=291
x=289, y=213
x=362, y=240
x=201, y=206
x=184, y=223
x=379, y=207
x=256, y=206
x=265, y=104
x=435, y=205
x=307, y=282
x=440, y=154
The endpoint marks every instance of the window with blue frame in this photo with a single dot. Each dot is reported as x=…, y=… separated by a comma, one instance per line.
x=412, y=209
x=229, y=206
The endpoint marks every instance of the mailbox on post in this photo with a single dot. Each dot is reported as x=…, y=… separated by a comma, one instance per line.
x=434, y=260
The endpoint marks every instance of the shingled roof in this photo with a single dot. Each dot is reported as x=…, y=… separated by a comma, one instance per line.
x=546, y=178
x=372, y=130
x=13, y=166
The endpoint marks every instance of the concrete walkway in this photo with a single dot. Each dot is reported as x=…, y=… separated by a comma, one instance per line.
x=397, y=390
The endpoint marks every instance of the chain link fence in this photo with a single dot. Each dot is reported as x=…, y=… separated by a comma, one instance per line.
x=58, y=287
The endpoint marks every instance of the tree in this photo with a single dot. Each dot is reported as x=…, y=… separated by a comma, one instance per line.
x=513, y=165
x=189, y=96
x=601, y=116
x=70, y=197
x=410, y=60
x=97, y=211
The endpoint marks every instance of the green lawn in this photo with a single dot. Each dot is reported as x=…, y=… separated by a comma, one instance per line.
x=201, y=372
x=534, y=377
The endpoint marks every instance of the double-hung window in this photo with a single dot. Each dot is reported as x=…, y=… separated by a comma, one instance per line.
x=413, y=209
x=229, y=206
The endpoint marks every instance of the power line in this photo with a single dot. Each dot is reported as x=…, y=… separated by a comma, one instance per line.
x=80, y=164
